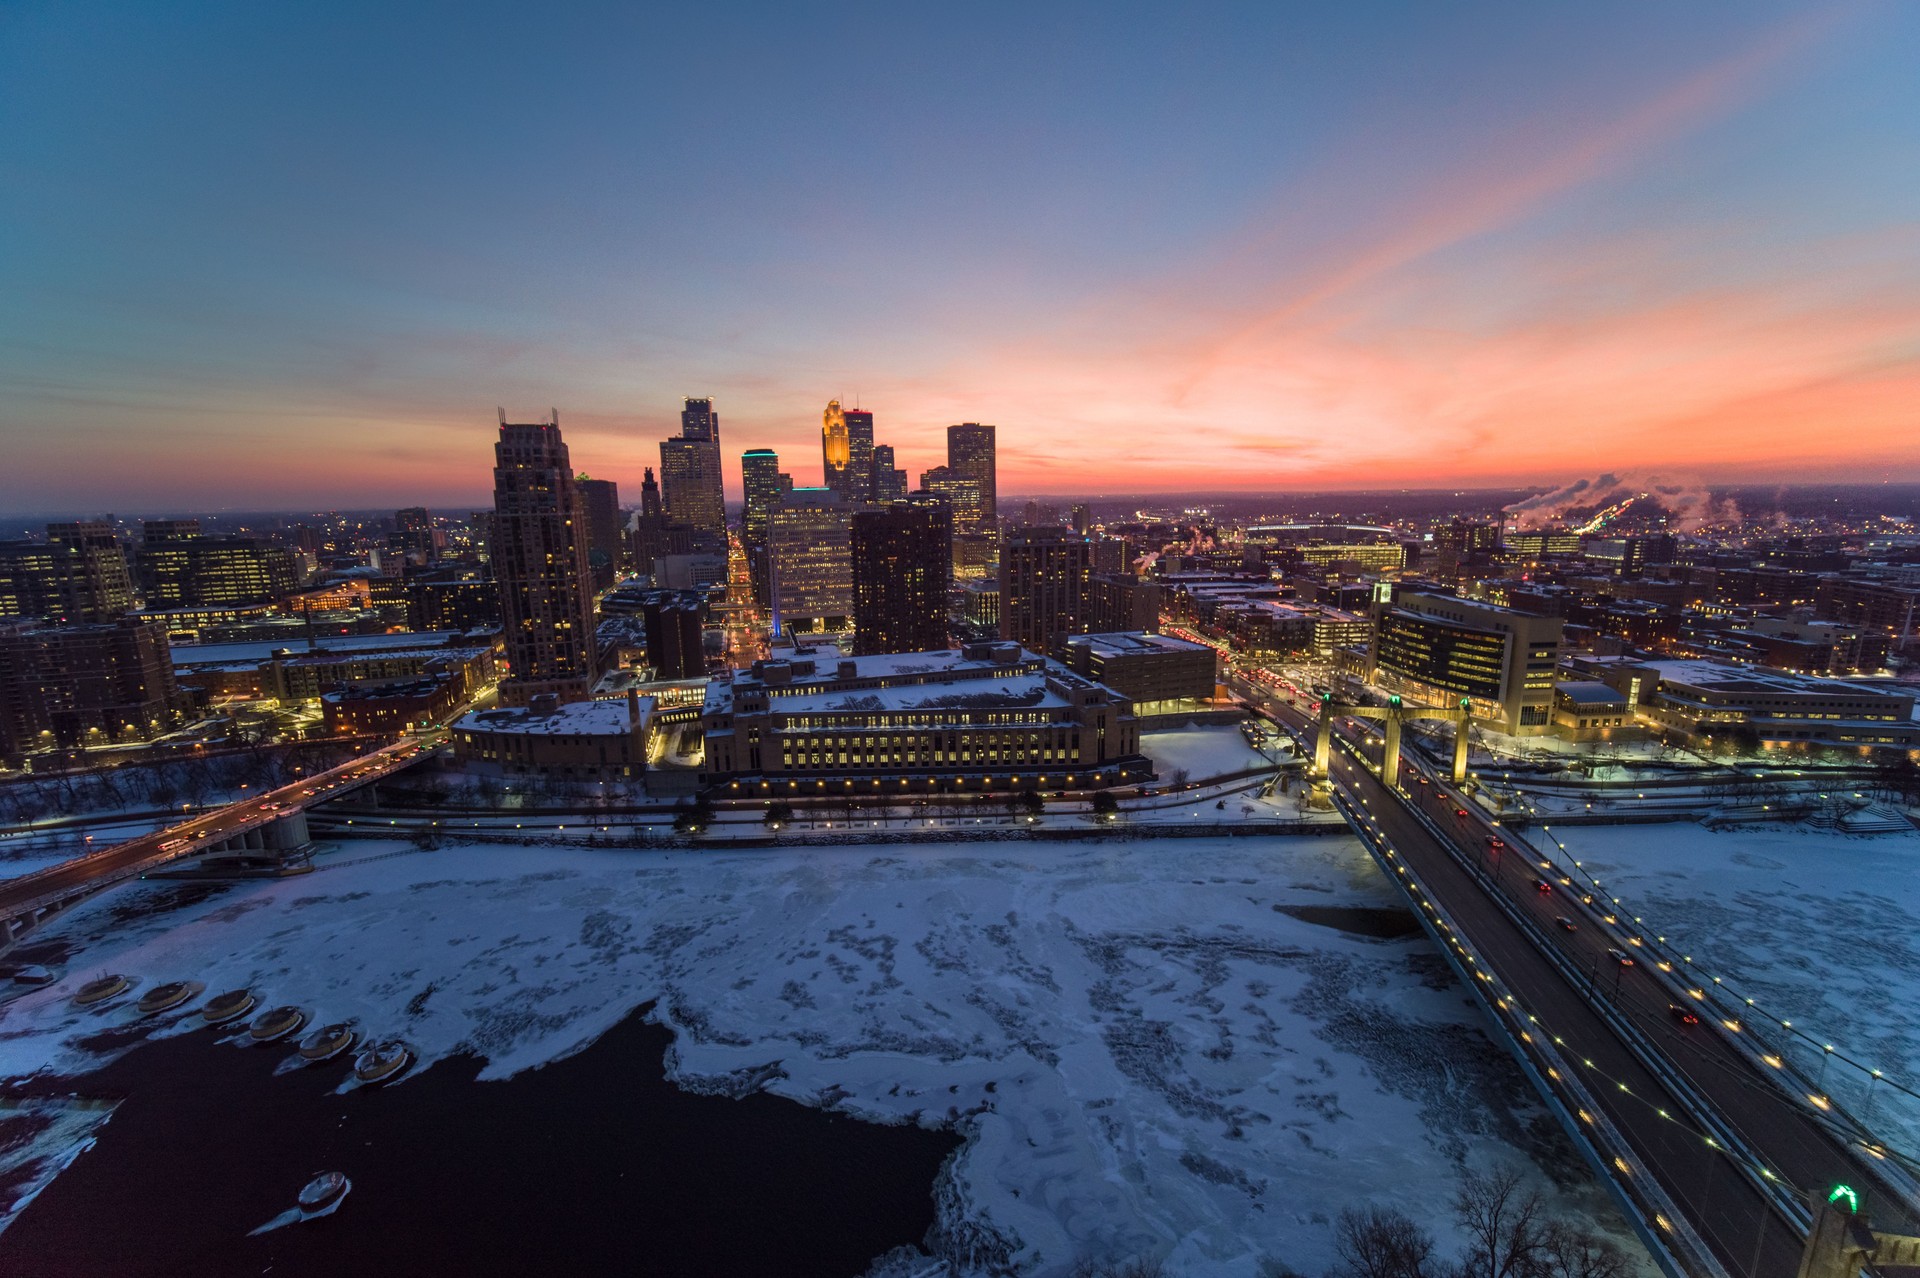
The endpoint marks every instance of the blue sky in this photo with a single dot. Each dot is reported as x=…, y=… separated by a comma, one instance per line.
x=295, y=254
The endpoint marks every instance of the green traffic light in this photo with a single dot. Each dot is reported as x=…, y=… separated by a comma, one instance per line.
x=1847, y=1195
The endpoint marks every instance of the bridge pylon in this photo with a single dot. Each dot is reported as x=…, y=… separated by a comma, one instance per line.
x=1394, y=715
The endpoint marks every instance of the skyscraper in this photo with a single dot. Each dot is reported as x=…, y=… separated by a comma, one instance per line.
x=1043, y=587
x=810, y=550
x=690, y=481
x=902, y=564
x=971, y=453
x=78, y=574
x=889, y=482
x=540, y=561
x=963, y=493
x=605, y=540
x=859, y=455
x=836, y=450
x=699, y=421
x=760, y=478
x=650, y=495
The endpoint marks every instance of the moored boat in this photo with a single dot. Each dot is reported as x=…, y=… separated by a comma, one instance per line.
x=277, y=1024
x=324, y=1191
x=101, y=990
x=230, y=1006
x=164, y=998
x=382, y=1063
x=327, y=1042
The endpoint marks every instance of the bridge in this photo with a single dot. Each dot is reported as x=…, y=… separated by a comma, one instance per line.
x=274, y=822
x=1716, y=1149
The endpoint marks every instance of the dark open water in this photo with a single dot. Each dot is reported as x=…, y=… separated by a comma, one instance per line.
x=594, y=1164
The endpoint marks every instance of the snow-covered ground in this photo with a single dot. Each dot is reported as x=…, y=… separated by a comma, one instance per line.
x=1816, y=927
x=1202, y=751
x=1148, y=1055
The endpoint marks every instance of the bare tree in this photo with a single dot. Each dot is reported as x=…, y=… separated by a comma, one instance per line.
x=1503, y=1224
x=1570, y=1252
x=1379, y=1242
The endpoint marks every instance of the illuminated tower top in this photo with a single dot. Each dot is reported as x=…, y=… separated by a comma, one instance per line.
x=835, y=448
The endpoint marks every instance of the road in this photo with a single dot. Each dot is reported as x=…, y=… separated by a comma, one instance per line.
x=135, y=856
x=1735, y=1217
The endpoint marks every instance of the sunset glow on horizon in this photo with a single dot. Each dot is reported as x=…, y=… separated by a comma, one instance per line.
x=1398, y=246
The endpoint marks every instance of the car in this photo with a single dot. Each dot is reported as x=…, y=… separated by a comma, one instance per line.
x=1541, y=885
x=1566, y=924
x=1495, y=842
x=1460, y=813
x=1621, y=957
x=1685, y=1015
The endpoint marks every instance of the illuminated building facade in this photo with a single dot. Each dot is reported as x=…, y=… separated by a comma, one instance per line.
x=964, y=493
x=1044, y=579
x=971, y=454
x=1439, y=649
x=540, y=562
x=763, y=485
x=985, y=717
x=78, y=574
x=181, y=567
x=810, y=558
x=77, y=685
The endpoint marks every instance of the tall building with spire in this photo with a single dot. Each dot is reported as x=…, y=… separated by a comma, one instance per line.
x=539, y=541
x=971, y=455
x=650, y=495
x=836, y=450
x=859, y=455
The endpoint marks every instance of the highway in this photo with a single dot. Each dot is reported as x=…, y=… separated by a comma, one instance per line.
x=1507, y=910
x=136, y=856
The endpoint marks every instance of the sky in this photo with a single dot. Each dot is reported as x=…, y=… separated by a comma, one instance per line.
x=298, y=255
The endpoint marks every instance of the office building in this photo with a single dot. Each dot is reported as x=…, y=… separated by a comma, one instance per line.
x=1438, y=650
x=650, y=503
x=414, y=537
x=699, y=421
x=971, y=455
x=1044, y=582
x=902, y=564
x=691, y=487
x=1119, y=602
x=760, y=480
x=810, y=560
x=987, y=717
x=1769, y=708
x=84, y=684
x=1080, y=516
x=78, y=574
x=846, y=451
x=1160, y=673
x=587, y=740
x=606, y=539
x=181, y=567
x=540, y=562
x=962, y=492
x=889, y=481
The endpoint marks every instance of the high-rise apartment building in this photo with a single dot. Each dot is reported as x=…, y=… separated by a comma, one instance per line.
x=1081, y=517
x=902, y=565
x=78, y=574
x=810, y=554
x=1044, y=580
x=75, y=685
x=540, y=561
x=606, y=541
x=971, y=455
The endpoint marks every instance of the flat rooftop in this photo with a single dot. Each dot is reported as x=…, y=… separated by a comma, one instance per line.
x=574, y=718
x=1132, y=642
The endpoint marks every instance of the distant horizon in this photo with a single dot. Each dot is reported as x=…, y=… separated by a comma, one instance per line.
x=1009, y=502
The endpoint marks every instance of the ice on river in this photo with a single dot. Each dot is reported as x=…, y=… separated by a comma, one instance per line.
x=1148, y=1056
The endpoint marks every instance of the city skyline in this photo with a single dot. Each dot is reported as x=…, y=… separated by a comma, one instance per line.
x=1381, y=248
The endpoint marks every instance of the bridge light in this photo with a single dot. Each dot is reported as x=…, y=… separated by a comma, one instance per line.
x=1844, y=1196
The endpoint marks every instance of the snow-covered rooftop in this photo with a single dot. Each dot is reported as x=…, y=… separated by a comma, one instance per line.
x=260, y=650
x=573, y=719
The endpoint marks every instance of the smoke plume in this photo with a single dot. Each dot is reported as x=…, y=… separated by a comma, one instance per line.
x=1688, y=503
